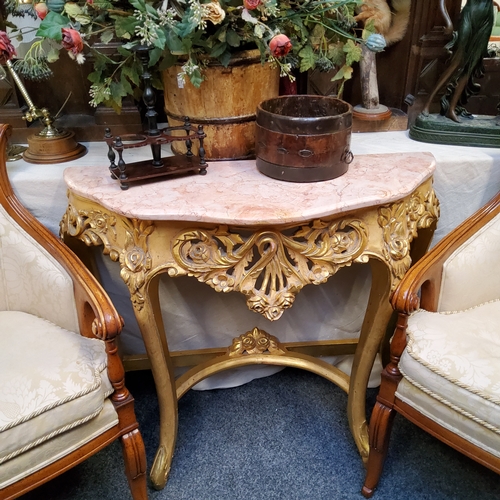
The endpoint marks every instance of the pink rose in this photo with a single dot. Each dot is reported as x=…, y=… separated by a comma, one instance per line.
x=7, y=50
x=251, y=4
x=280, y=45
x=72, y=41
x=41, y=10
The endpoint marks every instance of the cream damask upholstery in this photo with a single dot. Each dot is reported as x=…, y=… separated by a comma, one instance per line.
x=31, y=280
x=62, y=393
x=444, y=373
x=453, y=359
x=468, y=271
x=57, y=384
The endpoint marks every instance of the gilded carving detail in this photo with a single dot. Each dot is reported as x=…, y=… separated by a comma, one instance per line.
x=269, y=267
x=432, y=212
x=97, y=228
x=397, y=237
x=135, y=260
x=255, y=342
x=400, y=223
x=93, y=227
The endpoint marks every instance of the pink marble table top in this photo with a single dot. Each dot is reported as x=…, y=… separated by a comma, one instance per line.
x=235, y=192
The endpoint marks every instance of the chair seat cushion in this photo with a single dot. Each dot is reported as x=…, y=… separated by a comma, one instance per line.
x=454, y=358
x=52, y=380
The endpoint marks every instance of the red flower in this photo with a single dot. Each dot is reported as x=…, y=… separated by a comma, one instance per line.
x=280, y=45
x=72, y=41
x=41, y=10
x=7, y=50
x=251, y=4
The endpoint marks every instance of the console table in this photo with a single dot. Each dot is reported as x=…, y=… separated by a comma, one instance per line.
x=237, y=230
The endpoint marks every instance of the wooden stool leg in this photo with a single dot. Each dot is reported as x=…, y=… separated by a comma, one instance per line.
x=134, y=454
x=379, y=433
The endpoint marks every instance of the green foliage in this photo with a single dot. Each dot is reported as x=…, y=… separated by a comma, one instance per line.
x=174, y=44
x=368, y=29
x=124, y=27
x=196, y=78
x=131, y=74
x=51, y=26
x=353, y=52
x=336, y=54
x=218, y=50
x=307, y=59
x=232, y=38
x=321, y=33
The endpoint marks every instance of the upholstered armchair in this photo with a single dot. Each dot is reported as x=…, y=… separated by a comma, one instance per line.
x=444, y=369
x=62, y=392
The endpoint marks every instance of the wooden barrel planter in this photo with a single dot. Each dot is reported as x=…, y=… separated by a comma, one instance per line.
x=225, y=104
x=303, y=138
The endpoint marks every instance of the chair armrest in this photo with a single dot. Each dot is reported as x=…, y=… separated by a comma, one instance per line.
x=96, y=314
x=422, y=283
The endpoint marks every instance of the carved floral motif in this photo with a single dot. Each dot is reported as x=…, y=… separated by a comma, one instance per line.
x=255, y=342
x=400, y=223
x=93, y=227
x=397, y=237
x=135, y=260
x=431, y=211
x=96, y=228
x=269, y=267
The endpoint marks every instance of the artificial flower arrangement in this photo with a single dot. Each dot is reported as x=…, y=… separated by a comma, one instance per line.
x=296, y=35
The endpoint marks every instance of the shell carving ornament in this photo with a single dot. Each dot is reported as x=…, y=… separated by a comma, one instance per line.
x=269, y=267
x=400, y=223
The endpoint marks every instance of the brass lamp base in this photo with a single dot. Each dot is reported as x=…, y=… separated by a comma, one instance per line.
x=55, y=149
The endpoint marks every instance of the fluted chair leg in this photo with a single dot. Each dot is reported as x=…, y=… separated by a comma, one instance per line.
x=380, y=432
x=134, y=454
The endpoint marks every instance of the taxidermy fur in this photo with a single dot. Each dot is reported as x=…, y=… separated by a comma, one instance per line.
x=390, y=17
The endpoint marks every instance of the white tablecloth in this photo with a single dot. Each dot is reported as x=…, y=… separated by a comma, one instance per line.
x=198, y=317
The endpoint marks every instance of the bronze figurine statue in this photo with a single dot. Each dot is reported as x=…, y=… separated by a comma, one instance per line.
x=468, y=48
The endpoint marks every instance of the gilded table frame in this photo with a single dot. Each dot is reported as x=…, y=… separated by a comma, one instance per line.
x=269, y=265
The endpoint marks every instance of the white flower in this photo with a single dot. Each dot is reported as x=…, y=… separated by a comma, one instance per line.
x=213, y=12
x=246, y=16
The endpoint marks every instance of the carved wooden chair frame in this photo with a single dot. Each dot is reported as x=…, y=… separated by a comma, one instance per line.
x=420, y=288
x=97, y=318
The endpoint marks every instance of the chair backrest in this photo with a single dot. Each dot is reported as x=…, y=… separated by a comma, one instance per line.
x=31, y=280
x=471, y=274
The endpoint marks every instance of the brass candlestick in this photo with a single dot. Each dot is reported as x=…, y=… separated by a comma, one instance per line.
x=50, y=145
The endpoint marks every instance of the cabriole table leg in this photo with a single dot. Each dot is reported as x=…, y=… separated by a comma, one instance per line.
x=373, y=330
x=150, y=322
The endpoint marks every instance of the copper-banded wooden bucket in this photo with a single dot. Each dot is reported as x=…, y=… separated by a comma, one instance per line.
x=303, y=138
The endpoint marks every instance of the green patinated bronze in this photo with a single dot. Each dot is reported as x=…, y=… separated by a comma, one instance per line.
x=479, y=130
x=455, y=125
